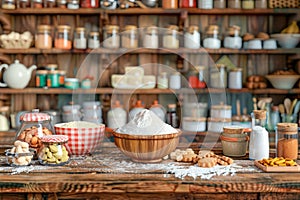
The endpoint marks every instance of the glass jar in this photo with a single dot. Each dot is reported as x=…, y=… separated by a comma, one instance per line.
x=261, y=4
x=130, y=37
x=41, y=78
x=218, y=76
x=23, y=4
x=259, y=137
x=49, y=3
x=248, y=4
x=8, y=4
x=220, y=4
x=94, y=40
x=62, y=77
x=205, y=4
x=61, y=3
x=150, y=37
x=36, y=4
x=89, y=4
x=175, y=81
x=34, y=125
x=192, y=38
x=187, y=3
x=287, y=140
x=211, y=38
x=116, y=116
x=52, y=151
x=111, y=37
x=53, y=79
x=232, y=39
x=43, y=37
x=234, y=4
x=172, y=117
x=73, y=4
x=51, y=67
x=169, y=4
x=235, y=78
x=171, y=37
x=63, y=37
x=162, y=80
x=79, y=38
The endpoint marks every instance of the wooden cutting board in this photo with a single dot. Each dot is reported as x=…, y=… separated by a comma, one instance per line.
x=277, y=168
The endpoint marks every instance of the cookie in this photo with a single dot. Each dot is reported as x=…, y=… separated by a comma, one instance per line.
x=207, y=162
x=205, y=154
x=189, y=157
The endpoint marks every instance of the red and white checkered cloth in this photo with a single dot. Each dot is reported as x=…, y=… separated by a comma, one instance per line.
x=82, y=141
x=35, y=117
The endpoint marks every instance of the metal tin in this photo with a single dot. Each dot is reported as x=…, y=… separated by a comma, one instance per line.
x=53, y=79
x=41, y=78
x=72, y=83
x=221, y=111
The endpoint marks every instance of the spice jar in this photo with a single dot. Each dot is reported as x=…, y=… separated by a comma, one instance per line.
x=218, y=76
x=287, y=140
x=187, y=4
x=261, y=4
x=49, y=3
x=162, y=80
x=192, y=38
x=62, y=77
x=234, y=4
x=23, y=4
x=36, y=4
x=73, y=4
x=61, y=3
x=94, y=40
x=34, y=125
x=116, y=116
x=63, y=38
x=111, y=36
x=259, y=137
x=212, y=38
x=130, y=37
x=205, y=4
x=43, y=38
x=235, y=78
x=175, y=81
x=170, y=4
x=8, y=4
x=79, y=38
x=89, y=3
x=41, y=78
x=53, y=152
x=220, y=4
x=150, y=37
x=53, y=79
x=232, y=39
x=248, y=4
x=170, y=38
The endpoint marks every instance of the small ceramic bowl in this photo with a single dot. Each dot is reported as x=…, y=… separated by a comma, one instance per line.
x=270, y=44
x=255, y=44
x=72, y=83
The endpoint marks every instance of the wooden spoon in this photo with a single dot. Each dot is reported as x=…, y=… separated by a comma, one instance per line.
x=292, y=106
x=287, y=104
x=281, y=108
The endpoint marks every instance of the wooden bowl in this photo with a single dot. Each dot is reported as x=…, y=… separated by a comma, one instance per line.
x=146, y=148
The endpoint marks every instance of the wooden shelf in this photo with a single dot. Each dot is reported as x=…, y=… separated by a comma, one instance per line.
x=150, y=11
x=144, y=91
x=141, y=50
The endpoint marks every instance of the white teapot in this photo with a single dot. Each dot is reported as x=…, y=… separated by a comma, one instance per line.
x=16, y=75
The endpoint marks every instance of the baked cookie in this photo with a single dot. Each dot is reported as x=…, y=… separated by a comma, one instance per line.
x=207, y=162
x=205, y=154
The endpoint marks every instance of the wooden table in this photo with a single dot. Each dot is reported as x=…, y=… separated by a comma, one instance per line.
x=108, y=174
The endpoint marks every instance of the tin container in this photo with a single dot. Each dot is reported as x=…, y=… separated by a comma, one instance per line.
x=194, y=124
x=220, y=111
x=72, y=83
x=41, y=78
x=53, y=79
x=217, y=124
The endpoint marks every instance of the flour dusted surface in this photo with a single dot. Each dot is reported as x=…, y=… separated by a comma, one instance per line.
x=79, y=124
x=146, y=123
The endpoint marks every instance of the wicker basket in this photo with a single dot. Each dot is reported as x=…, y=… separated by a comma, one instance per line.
x=284, y=3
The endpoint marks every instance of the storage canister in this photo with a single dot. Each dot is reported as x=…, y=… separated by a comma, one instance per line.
x=63, y=37
x=220, y=4
x=169, y=4
x=221, y=111
x=205, y=4
x=261, y=4
x=94, y=40
x=235, y=78
x=175, y=80
x=192, y=38
x=216, y=124
x=111, y=36
x=234, y=144
x=53, y=79
x=130, y=37
x=170, y=38
x=234, y=4
x=71, y=83
x=150, y=37
x=62, y=76
x=116, y=116
x=194, y=124
x=233, y=40
x=218, y=76
x=89, y=3
x=41, y=78
x=248, y=4
x=8, y=4
x=287, y=140
x=80, y=41
x=212, y=38
x=43, y=37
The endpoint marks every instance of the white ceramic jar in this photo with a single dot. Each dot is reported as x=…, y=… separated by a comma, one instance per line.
x=192, y=38
x=233, y=40
x=235, y=79
x=216, y=124
x=116, y=116
x=194, y=124
x=221, y=111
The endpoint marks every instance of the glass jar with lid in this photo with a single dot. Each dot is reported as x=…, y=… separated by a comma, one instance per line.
x=192, y=37
x=218, y=76
x=94, y=40
x=130, y=37
x=52, y=151
x=36, y=3
x=150, y=37
x=111, y=37
x=49, y=3
x=61, y=3
x=43, y=37
x=34, y=125
x=8, y=4
x=171, y=37
x=73, y=4
x=248, y=4
x=212, y=38
x=23, y=4
x=232, y=39
x=63, y=37
x=80, y=41
x=234, y=4
x=287, y=140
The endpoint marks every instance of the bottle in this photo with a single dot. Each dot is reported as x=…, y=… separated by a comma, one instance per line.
x=94, y=40
x=63, y=38
x=111, y=36
x=192, y=38
x=172, y=118
x=170, y=38
x=43, y=38
x=138, y=107
x=150, y=37
x=287, y=140
x=130, y=37
x=80, y=38
x=116, y=116
x=159, y=110
x=259, y=137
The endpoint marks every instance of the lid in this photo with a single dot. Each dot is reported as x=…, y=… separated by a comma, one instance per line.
x=221, y=107
x=233, y=129
x=260, y=114
x=41, y=72
x=219, y=119
x=94, y=33
x=193, y=28
x=194, y=119
x=212, y=29
x=112, y=28
x=173, y=27
x=62, y=28
x=71, y=80
x=151, y=29
x=54, y=138
x=130, y=27
x=35, y=116
x=61, y=1
x=44, y=27
x=51, y=66
x=53, y=72
x=236, y=70
x=80, y=29
x=287, y=128
x=138, y=104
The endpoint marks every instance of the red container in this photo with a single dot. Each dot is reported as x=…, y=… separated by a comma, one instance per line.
x=187, y=4
x=89, y=3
